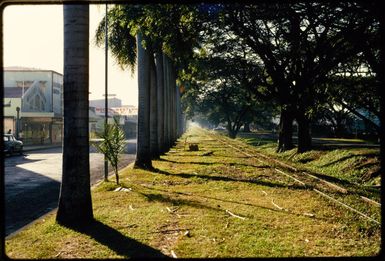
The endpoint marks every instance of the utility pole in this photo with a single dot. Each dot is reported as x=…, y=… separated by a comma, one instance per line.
x=17, y=122
x=106, y=89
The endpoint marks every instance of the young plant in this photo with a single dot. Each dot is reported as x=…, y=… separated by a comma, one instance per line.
x=113, y=145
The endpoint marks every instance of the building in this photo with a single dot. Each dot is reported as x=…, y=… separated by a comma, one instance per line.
x=129, y=118
x=100, y=103
x=127, y=115
x=33, y=104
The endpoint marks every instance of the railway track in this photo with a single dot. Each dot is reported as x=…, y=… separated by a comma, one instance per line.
x=331, y=191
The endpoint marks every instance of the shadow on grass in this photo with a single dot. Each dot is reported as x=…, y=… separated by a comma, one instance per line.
x=116, y=241
x=224, y=178
x=352, y=188
x=368, y=155
x=199, y=155
x=212, y=163
x=188, y=162
x=332, y=179
x=235, y=157
x=177, y=202
x=249, y=165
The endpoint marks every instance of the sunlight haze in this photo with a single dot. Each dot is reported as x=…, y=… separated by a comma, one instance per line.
x=33, y=37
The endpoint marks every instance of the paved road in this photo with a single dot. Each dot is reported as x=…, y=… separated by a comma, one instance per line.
x=32, y=182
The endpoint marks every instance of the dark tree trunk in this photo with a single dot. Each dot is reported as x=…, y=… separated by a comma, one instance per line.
x=285, y=132
x=340, y=129
x=167, y=115
x=173, y=104
x=178, y=113
x=160, y=88
x=143, y=151
x=304, y=137
x=75, y=204
x=246, y=127
x=232, y=133
x=153, y=109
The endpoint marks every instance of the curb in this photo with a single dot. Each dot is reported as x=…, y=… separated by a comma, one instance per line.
x=26, y=149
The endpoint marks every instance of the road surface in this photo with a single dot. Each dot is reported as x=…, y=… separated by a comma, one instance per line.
x=32, y=182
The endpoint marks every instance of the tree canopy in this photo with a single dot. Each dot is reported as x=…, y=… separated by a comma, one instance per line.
x=294, y=55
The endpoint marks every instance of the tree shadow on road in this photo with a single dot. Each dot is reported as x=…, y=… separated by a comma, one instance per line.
x=28, y=195
x=119, y=243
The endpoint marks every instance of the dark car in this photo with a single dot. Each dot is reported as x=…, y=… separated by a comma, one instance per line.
x=11, y=144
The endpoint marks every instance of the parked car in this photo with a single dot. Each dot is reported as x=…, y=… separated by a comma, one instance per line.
x=11, y=144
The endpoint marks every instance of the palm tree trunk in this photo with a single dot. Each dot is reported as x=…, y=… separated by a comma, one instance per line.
x=160, y=89
x=143, y=151
x=153, y=108
x=167, y=101
x=75, y=204
x=173, y=105
x=178, y=113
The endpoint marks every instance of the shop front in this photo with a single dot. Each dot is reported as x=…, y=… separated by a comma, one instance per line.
x=41, y=129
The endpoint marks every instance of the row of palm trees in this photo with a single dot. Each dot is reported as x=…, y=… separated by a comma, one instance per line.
x=160, y=120
x=159, y=115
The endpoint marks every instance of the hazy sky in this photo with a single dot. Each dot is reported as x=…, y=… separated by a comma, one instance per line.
x=33, y=37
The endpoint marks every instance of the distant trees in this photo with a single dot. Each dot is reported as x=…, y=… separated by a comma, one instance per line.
x=223, y=91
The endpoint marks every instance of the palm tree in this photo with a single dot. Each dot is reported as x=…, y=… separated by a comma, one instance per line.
x=173, y=104
x=167, y=99
x=75, y=205
x=161, y=24
x=143, y=149
x=124, y=20
x=160, y=96
x=153, y=107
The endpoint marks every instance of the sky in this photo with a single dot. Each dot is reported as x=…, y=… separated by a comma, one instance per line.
x=33, y=37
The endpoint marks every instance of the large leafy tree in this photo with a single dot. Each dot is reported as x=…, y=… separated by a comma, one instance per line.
x=299, y=44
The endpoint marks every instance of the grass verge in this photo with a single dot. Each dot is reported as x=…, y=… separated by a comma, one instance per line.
x=214, y=202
